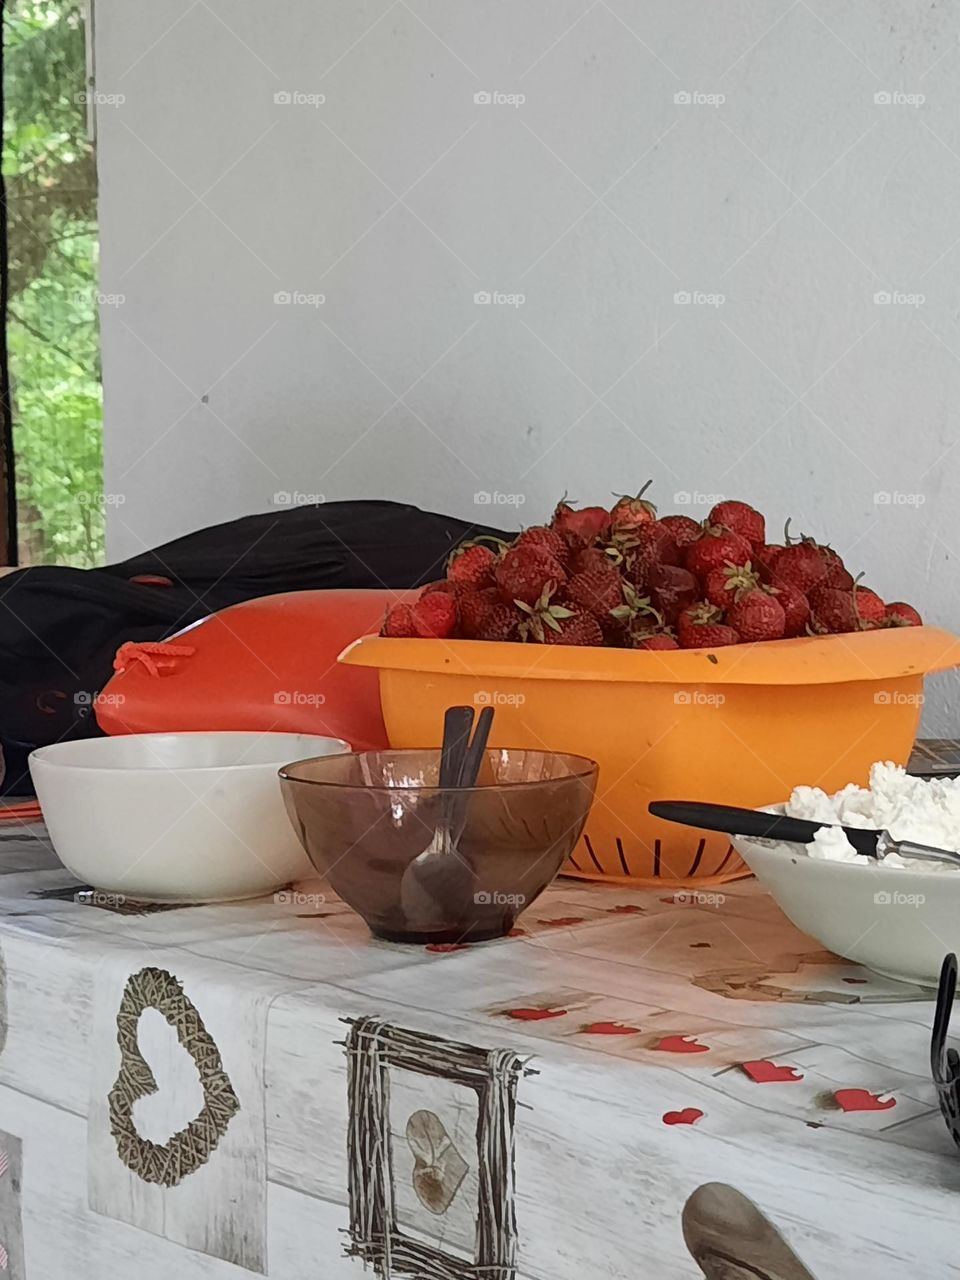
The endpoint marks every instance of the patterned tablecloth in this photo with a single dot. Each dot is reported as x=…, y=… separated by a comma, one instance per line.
x=634, y=1081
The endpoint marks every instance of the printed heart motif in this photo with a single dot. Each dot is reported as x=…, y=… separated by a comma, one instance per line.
x=856, y=982
x=439, y=1168
x=625, y=909
x=535, y=1015
x=563, y=922
x=689, y=1115
x=681, y=1044
x=762, y=1072
x=862, y=1100
x=608, y=1029
x=441, y=948
x=178, y=1097
x=170, y=1162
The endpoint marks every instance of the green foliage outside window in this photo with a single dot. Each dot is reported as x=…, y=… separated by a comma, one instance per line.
x=52, y=334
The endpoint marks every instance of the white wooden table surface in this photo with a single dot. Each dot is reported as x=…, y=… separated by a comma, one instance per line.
x=570, y=1088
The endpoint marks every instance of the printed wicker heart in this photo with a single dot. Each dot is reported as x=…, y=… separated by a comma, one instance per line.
x=439, y=1168
x=170, y=1162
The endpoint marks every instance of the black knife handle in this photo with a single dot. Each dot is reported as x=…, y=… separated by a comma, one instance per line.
x=753, y=823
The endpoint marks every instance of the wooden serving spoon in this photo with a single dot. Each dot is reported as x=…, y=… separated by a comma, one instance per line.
x=730, y=1239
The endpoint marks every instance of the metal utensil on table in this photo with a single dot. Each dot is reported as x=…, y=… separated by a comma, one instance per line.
x=944, y=1059
x=470, y=772
x=440, y=876
x=457, y=726
x=758, y=825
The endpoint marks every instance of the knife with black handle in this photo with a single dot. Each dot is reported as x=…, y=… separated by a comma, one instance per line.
x=757, y=825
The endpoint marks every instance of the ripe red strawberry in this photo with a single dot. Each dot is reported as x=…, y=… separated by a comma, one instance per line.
x=591, y=558
x=714, y=547
x=902, y=615
x=632, y=513
x=701, y=627
x=634, y=615
x=672, y=589
x=502, y=622
x=655, y=640
x=598, y=591
x=472, y=564
x=835, y=573
x=545, y=539
x=683, y=529
x=579, y=628
x=522, y=573
x=764, y=559
x=549, y=621
x=435, y=615
x=757, y=615
x=801, y=565
x=833, y=611
x=808, y=564
x=474, y=607
x=728, y=582
x=740, y=517
x=795, y=606
x=399, y=622
x=645, y=547
x=445, y=585
x=872, y=610
x=580, y=528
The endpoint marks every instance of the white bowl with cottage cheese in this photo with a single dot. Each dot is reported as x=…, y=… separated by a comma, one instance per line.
x=899, y=917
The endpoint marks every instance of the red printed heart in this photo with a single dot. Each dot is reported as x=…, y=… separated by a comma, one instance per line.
x=608, y=1029
x=689, y=1115
x=563, y=922
x=441, y=948
x=625, y=909
x=856, y=982
x=763, y=1072
x=535, y=1015
x=681, y=1044
x=862, y=1100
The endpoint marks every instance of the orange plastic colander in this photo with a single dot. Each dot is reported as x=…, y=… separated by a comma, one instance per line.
x=740, y=725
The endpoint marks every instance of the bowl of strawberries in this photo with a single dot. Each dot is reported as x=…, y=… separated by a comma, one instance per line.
x=689, y=659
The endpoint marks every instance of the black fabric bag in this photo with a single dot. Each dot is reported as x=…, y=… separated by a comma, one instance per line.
x=60, y=628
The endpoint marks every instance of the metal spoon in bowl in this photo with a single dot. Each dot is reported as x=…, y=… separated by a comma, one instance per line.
x=758, y=825
x=440, y=877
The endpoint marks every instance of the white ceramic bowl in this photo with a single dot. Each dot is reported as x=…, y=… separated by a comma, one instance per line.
x=175, y=817
x=897, y=922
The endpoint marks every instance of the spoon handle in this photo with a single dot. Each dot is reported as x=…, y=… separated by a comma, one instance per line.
x=469, y=773
x=457, y=723
x=478, y=745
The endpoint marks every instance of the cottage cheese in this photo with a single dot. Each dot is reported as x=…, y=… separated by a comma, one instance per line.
x=926, y=810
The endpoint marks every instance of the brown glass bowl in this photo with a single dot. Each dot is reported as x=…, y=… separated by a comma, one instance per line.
x=369, y=824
